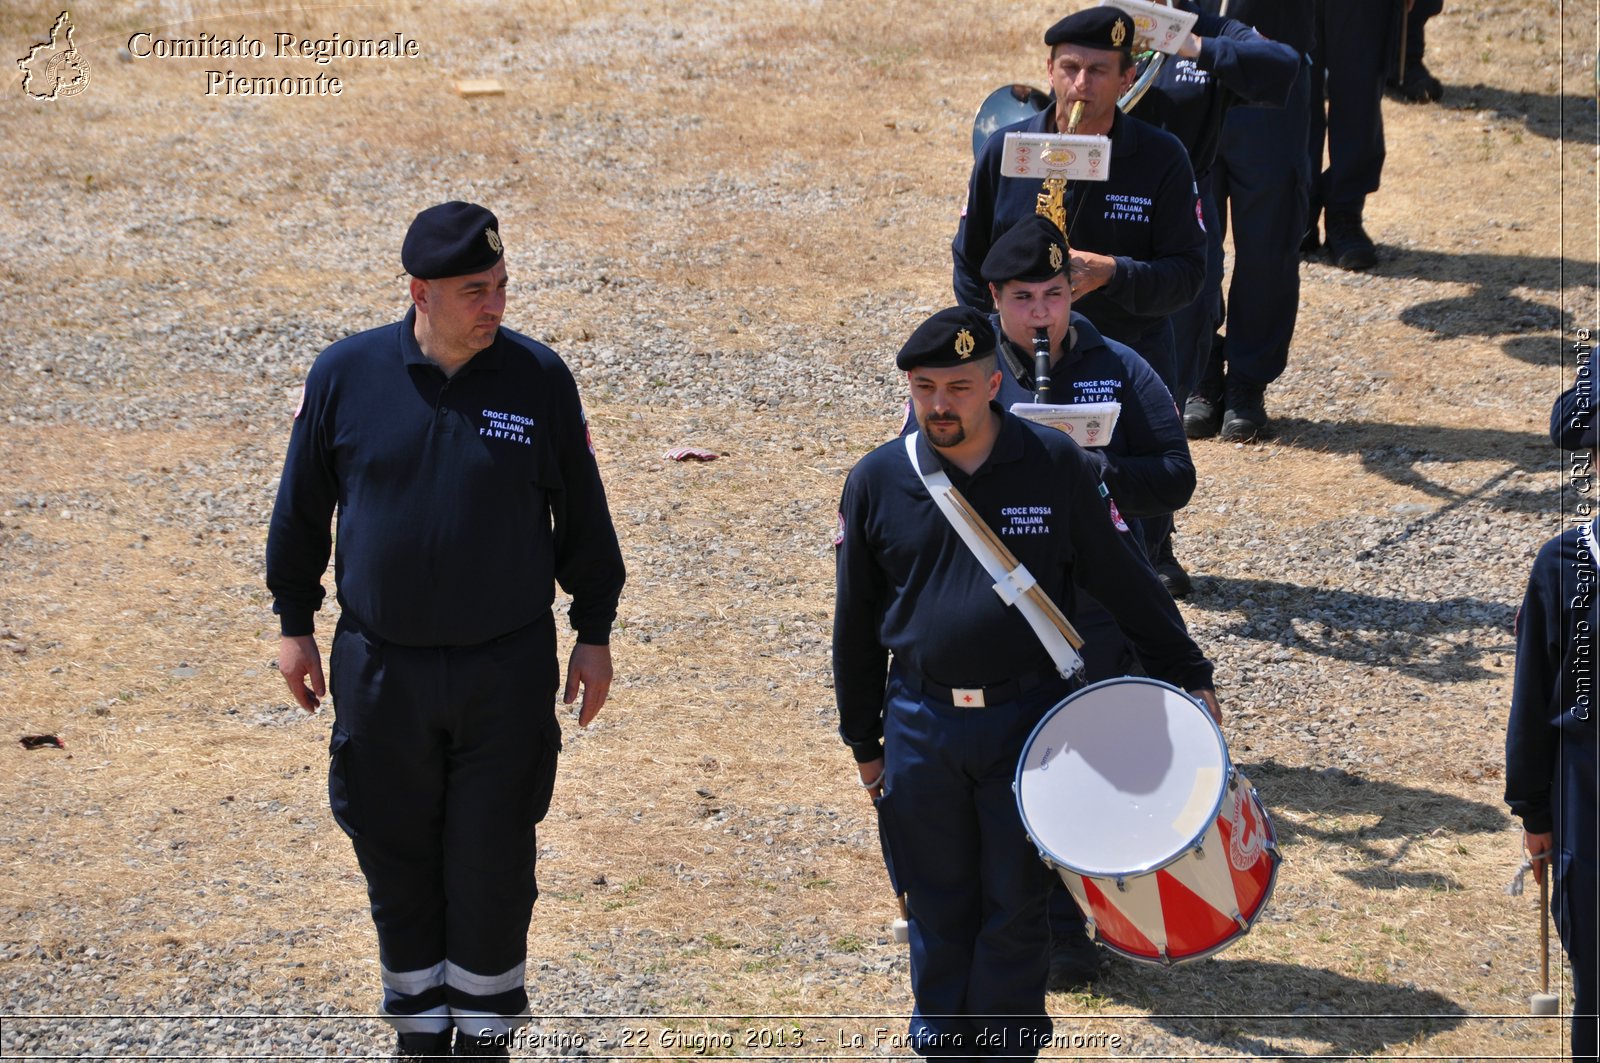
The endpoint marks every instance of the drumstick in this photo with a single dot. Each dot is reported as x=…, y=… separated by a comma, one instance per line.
x=1037, y=596
x=1544, y=1002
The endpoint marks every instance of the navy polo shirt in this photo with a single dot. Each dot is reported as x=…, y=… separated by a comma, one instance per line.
x=1236, y=64
x=1551, y=748
x=1291, y=21
x=907, y=585
x=461, y=500
x=1146, y=215
x=1146, y=463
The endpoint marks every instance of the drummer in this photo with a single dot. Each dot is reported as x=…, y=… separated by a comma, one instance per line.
x=939, y=682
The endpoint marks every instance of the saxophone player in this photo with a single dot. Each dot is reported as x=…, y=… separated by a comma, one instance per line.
x=1138, y=249
x=1138, y=244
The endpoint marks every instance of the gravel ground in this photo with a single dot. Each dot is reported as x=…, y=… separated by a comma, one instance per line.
x=176, y=888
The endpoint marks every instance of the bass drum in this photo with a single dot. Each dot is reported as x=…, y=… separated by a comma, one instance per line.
x=1127, y=790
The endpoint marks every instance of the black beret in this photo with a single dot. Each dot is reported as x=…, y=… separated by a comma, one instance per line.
x=450, y=240
x=1572, y=423
x=1108, y=28
x=953, y=336
x=1031, y=250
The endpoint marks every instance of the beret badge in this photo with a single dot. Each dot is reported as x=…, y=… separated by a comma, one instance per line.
x=1055, y=256
x=494, y=241
x=1119, y=33
x=965, y=344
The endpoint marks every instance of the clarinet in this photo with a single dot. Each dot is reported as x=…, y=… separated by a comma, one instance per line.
x=1041, y=365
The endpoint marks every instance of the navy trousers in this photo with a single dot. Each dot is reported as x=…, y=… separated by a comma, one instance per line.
x=1195, y=326
x=975, y=886
x=1574, y=900
x=1260, y=185
x=1417, y=29
x=442, y=762
x=1349, y=66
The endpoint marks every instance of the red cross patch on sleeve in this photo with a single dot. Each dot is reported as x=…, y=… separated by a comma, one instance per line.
x=1116, y=516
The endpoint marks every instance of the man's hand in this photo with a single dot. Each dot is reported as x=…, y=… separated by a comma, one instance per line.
x=1190, y=48
x=872, y=772
x=1538, y=846
x=1090, y=271
x=1213, y=706
x=299, y=660
x=589, y=667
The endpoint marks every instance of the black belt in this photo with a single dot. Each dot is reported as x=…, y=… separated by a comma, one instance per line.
x=978, y=697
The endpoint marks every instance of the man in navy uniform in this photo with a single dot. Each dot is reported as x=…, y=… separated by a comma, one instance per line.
x=1260, y=184
x=939, y=683
x=1552, y=757
x=458, y=459
x=1138, y=250
x=1224, y=67
x=1222, y=64
x=1349, y=65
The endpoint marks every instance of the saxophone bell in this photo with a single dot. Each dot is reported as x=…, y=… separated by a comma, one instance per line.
x=1052, y=199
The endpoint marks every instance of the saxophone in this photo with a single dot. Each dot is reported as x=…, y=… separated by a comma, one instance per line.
x=1051, y=201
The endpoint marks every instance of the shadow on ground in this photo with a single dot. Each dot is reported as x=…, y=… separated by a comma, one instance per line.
x=1393, y=451
x=1318, y=620
x=1569, y=118
x=1335, y=809
x=1255, y=1007
x=1262, y=1007
x=1493, y=308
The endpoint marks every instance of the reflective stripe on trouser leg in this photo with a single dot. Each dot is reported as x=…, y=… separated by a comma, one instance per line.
x=444, y=762
x=487, y=1005
x=386, y=703
x=505, y=742
x=413, y=1001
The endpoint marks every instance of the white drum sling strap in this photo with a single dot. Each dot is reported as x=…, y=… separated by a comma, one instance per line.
x=1012, y=584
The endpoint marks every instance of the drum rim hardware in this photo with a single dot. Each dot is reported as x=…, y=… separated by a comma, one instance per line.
x=1184, y=905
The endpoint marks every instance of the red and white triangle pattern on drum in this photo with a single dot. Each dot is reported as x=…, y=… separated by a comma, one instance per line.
x=1198, y=903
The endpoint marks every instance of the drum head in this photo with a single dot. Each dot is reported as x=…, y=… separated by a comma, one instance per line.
x=1121, y=778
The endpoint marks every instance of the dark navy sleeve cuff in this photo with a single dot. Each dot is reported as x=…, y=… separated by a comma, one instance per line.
x=294, y=622
x=866, y=752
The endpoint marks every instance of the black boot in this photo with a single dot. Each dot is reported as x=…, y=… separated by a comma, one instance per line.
x=1074, y=962
x=1173, y=577
x=1311, y=242
x=1246, y=416
x=1419, y=85
x=413, y=1046
x=488, y=1046
x=1202, y=414
x=1349, y=246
